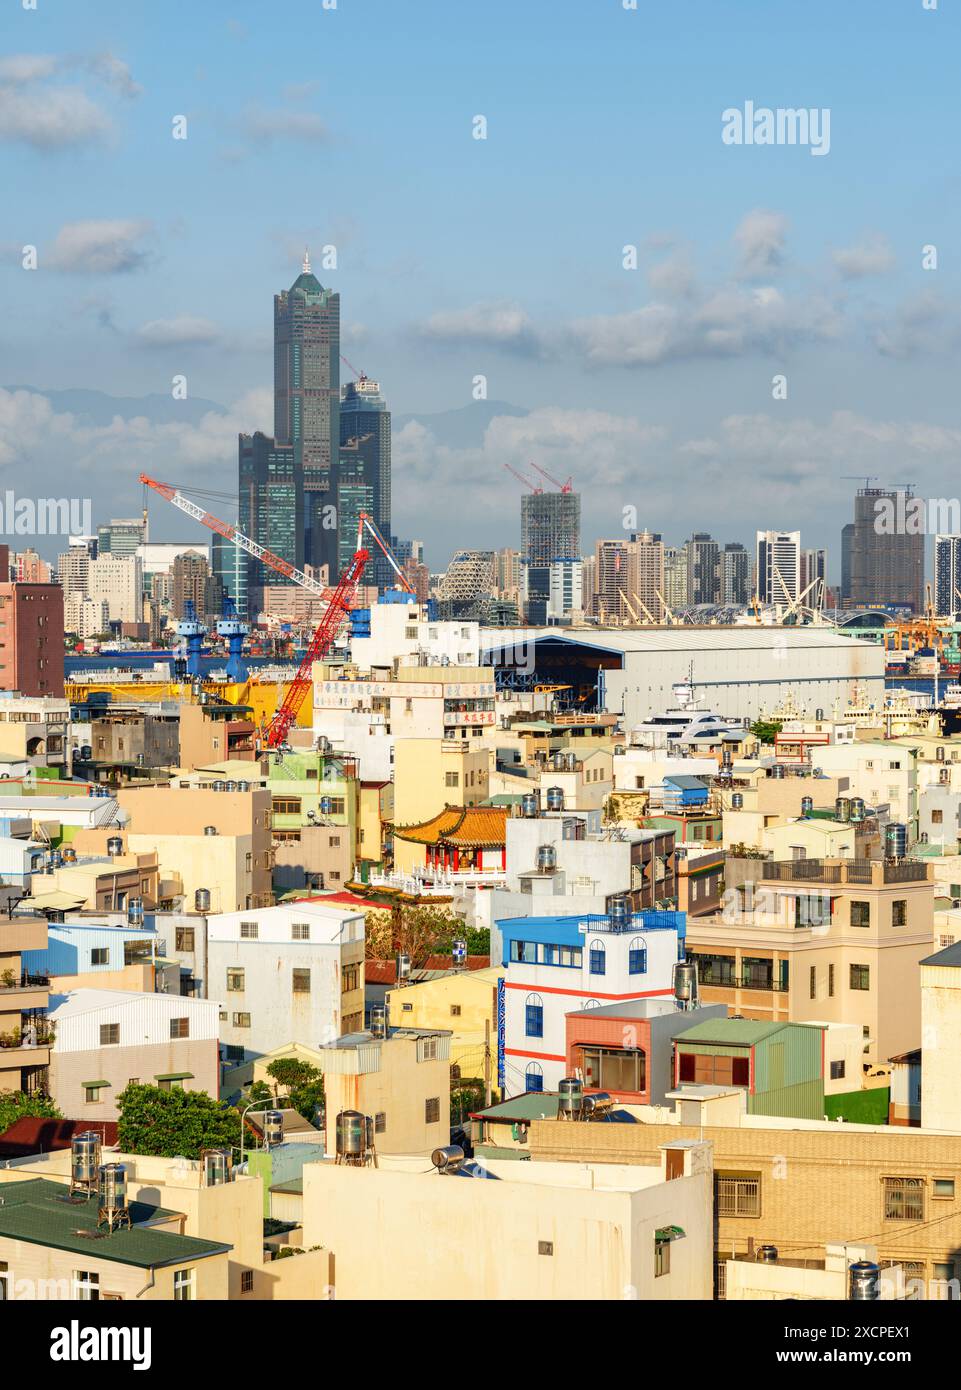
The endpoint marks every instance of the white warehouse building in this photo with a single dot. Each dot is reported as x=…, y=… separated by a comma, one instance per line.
x=740, y=672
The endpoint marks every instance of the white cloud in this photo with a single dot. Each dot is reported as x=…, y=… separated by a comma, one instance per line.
x=99, y=247
x=182, y=331
x=265, y=126
x=50, y=118
x=760, y=237
x=27, y=67
x=492, y=324
x=870, y=256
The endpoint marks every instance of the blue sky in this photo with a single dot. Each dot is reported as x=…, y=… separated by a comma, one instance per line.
x=502, y=257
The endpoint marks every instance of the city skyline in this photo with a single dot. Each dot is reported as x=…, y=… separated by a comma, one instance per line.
x=649, y=385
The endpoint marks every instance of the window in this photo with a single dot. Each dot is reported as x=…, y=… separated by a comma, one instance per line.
x=943, y=1187
x=91, y=1094
x=813, y=982
x=738, y=1194
x=249, y=931
x=937, y=817
x=451, y=779
x=637, y=957
x=714, y=970
x=427, y=1049
x=714, y=1069
x=860, y=914
x=86, y=1286
x=837, y=1071
x=109, y=1034
x=350, y=979
x=534, y=1077
x=380, y=1122
x=235, y=980
x=455, y=1011
x=180, y=1028
x=247, y=1281
x=183, y=1285
x=903, y=1199
x=241, y=1020
x=662, y=1257
x=185, y=939
x=831, y=981
x=286, y=806
x=534, y=1016
x=432, y=1110
x=99, y=955
x=300, y=981
x=545, y=1247
x=613, y=1068
x=598, y=958
x=899, y=912
x=300, y=931
x=860, y=977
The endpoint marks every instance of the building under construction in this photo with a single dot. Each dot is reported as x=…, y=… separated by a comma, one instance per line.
x=550, y=527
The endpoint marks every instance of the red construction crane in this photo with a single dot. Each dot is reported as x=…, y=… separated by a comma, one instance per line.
x=337, y=609
x=361, y=376
x=534, y=487
x=563, y=487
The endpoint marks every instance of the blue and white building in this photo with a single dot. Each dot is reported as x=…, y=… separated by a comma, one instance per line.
x=565, y=964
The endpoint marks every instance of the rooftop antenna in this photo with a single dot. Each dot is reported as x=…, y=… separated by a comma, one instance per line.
x=306, y=261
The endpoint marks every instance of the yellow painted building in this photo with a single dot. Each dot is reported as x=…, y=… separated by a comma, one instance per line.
x=465, y=1002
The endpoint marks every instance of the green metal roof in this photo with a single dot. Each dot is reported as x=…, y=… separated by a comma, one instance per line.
x=175, y=1076
x=92, y=1084
x=737, y=1032
x=36, y=1211
x=535, y=1105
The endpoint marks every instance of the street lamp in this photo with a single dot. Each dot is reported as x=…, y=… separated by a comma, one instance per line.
x=270, y=1103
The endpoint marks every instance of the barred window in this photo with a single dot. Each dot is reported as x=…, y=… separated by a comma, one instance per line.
x=739, y=1195
x=903, y=1199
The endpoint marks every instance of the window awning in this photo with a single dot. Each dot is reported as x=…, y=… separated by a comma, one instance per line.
x=175, y=1076
x=669, y=1233
x=94, y=1085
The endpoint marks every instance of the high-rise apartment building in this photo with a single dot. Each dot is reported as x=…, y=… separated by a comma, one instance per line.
x=271, y=505
x=814, y=570
x=847, y=549
x=566, y=589
x=31, y=635
x=947, y=575
x=645, y=574
x=611, y=564
x=887, y=551
x=778, y=566
x=550, y=527
x=121, y=538
x=675, y=577
x=735, y=574
x=192, y=582
x=229, y=564
x=307, y=397
x=703, y=569
x=119, y=583
x=364, y=417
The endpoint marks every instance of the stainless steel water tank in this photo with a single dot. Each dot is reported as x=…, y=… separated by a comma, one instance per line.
x=113, y=1188
x=737, y=801
x=530, y=806
x=555, y=798
x=570, y=762
x=458, y=950
x=570, y=1098
x=864, y=1282
x=559, y=760
x=447, y=1159
x=273, y=1128
x=766, y=1255
x=135, y=912
x=685, y=982
x=403, y=966
x=351, y=1134
x=216, y=1167
x=114, y=846
x=85, y=1156
x=546, y=858
x=378, y=1020
x=210, y=830
x=895, y=840
x=807, y=805
x=202, y=900
x=842, y=808
x=620, y=912
x=857, y=808
x=777, y=770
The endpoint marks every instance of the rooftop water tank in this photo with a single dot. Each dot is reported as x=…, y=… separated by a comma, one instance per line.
x=85, y=1157
x=570, y=1098
x=766, y=1255
x=895, y=840
x=210, y=830
x=737, y=801
x=403, y=966
x=555, y=799
x=777, y=770
x=113, y=1194
x=216, y=1167
x=685, y=984
x=558, y=761
x=546, y=859
x=842, y=809
x=619, y=911
x=135, y=912
x=458, y=951
x=351, y=1134
x=202, y=900
x=114, y=846
x=807, y=805
x=864, y=1282
x=273, y=1128
x=857, y=809
x=447, y=1159
x=530, y=805
x=378, y=1021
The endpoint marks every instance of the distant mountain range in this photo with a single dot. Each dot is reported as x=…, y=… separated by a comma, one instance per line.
x=464, y=427
x=97, y=408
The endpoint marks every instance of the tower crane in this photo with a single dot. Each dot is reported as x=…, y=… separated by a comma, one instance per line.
x=338, y=606
x=562, y=487
x=534, y=487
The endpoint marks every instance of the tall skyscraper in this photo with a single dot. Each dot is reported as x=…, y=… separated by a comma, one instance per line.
x=271, y=507
x=229, y=564
x=947, y=575
x=307, y=398
x=814, y=566
x=778, y=566
x=550, y=527
x=703, y=569
x=887, y=560
x=847, y=548
x=364, y=417
x=354, y=490
x=675, y=577
x=121, y=538
x=191, y=580
x=735, y=574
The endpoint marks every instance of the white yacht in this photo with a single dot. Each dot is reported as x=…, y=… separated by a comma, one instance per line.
x=685, y=725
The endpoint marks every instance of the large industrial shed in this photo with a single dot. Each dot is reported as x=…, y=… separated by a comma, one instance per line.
x=741, y=672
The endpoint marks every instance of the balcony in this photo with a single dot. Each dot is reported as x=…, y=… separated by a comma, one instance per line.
x=23, y=992
x=874, y=872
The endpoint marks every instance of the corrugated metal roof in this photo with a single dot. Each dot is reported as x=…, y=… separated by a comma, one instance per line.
x=735, y=1032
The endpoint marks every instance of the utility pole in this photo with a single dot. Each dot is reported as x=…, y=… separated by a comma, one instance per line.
x=487, y=1063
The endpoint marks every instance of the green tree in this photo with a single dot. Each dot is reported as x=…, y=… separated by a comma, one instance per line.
x=304, y=1083
x=17, y=1105
x=421, y=932
x=764, y=730
x=174, y=1123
